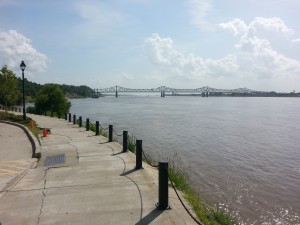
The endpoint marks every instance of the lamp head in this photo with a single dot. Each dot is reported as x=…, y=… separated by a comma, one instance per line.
x=22, y=66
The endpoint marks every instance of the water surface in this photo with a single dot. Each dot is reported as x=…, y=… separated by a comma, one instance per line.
x=242, y=154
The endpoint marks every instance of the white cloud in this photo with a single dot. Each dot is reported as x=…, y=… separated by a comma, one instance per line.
x=255, y=56
x=236, y=26
x=15, y=47
x=162, y=52
x=272, y=24
x=198, y=10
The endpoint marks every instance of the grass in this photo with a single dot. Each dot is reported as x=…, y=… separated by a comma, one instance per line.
x=223, y=217
x=131, y=143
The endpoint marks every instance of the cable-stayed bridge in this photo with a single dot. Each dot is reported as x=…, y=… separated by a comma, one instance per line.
x=205, y=91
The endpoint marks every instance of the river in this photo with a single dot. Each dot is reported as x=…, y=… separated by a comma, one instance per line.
x=242, y=154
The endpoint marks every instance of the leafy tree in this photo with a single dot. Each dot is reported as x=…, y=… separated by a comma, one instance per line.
x=51, y=98
x=9, y=93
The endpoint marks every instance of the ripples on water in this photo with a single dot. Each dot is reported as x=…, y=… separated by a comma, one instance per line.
x=240, y=153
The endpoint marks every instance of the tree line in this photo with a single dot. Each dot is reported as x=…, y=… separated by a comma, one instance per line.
x=47, y=97
x=71, y=91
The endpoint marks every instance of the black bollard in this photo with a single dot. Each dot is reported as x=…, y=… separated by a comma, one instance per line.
x=80, y=121
x=163, y=189
x=110, y=133
x=125, y=140
x=66, y=116
x=74, y=119
x=87, y=126
x=45, y=113
x=139, y=155
x=70, y=118
x=59, y=115
x=97, y=128
x=51, y=113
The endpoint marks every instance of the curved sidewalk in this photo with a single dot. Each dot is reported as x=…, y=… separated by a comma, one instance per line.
x=94, y=184
x=15, y=156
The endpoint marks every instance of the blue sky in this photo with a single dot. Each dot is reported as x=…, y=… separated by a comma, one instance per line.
x=151, y=43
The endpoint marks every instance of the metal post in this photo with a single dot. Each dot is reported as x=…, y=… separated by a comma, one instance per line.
x=80, y=121
x=74, y=119
x=51, y=113
x=97, y=128
x=87, y=126
x=125, y=140
x=66, y=116
x=163, y=189
x=110, y=133
x=59, y=115
x=24, y=111
x=139, y=155
x=70, y=118
x=116, y=91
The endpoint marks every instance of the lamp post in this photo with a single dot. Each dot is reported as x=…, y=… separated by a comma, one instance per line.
x=23, y=66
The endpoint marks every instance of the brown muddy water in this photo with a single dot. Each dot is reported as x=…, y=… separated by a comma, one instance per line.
x=242, y=154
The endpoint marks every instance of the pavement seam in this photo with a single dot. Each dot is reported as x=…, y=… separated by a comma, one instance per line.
x=16, y=180
x=44, y=195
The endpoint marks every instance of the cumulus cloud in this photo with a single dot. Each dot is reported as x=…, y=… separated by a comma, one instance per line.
x=15, y=47
x=254, y=58
x=162, y=52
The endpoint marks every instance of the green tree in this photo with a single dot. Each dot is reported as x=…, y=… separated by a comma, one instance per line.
x=51, y=98
x=9, y=92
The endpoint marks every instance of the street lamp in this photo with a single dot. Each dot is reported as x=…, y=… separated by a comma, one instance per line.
x=23, y=66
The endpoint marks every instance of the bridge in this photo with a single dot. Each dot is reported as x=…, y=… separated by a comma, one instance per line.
x=205, y=91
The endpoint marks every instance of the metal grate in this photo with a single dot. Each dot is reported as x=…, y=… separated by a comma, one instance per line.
x=54, y=160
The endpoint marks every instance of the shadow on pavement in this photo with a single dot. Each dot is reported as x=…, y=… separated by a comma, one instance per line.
x=150, y=217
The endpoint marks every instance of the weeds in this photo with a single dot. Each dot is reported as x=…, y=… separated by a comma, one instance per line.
x=222, y=217
x=131, y=143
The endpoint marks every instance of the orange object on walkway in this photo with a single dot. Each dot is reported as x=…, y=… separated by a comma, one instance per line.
x=31, y=124
x=45, y=134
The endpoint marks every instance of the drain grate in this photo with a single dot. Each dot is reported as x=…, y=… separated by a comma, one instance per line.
x=54, y=160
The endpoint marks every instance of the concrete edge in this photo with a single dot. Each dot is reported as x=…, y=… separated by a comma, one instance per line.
x=36, y=150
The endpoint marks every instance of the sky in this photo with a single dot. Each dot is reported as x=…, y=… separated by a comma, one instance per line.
x=150, y=43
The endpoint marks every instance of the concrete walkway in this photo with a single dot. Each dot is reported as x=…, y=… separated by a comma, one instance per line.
x=97, y=184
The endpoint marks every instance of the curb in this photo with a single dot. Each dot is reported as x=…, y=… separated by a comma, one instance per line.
x=36, y=151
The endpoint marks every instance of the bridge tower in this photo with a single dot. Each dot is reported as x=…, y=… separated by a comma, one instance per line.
x=116, y=91
x=162, y=92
